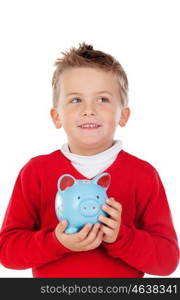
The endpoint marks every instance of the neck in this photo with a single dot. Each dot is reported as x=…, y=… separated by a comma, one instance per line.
x=89, y=152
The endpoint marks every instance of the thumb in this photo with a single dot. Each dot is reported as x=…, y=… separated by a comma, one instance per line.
x=62, y=226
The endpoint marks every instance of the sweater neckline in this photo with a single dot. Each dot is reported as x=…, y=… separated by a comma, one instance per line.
x=70, y=166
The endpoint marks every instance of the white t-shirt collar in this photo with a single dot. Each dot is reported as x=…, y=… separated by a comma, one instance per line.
x=90, y=166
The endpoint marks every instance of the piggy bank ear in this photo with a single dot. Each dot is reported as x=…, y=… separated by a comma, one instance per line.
x=65, y=181
x=103, y=180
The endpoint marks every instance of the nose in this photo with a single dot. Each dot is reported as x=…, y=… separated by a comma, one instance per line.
x=88, y=113
x=88, y=110
x=89, y=208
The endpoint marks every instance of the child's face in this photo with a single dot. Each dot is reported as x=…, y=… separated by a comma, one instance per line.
x=94, y=99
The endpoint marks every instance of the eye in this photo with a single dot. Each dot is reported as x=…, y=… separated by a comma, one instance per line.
x=74, y=100
x=78, y=197
x=97, y=197
x=104, y=99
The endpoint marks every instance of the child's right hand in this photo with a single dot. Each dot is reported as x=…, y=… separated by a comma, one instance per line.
x=85, y=239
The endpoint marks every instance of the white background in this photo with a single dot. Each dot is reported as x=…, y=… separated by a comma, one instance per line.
x=142, y=35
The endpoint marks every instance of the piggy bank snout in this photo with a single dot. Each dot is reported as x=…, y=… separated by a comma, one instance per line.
x=89, y=207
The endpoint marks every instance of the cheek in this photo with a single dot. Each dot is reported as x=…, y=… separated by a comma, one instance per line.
x=67, y=114
x=117, y=115
x=113, y=115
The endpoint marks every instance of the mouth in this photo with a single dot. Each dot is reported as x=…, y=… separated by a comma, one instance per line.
x=89, y=126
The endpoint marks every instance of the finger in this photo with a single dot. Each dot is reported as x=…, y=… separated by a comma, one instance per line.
x=112, y=202
x=100, y=234
x=112, y=212
x=83, y=233
x=107, y=230
x=109, y=222
x=97, y=241
x=92, y=235
x=61, y=226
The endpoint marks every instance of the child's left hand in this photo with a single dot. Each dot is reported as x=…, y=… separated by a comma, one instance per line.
x=114, y=210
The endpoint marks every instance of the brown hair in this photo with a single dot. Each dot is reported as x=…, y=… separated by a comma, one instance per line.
x=86, y=56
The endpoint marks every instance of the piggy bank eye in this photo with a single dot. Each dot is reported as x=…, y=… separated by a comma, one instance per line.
x=78, y=197
x=97, y=197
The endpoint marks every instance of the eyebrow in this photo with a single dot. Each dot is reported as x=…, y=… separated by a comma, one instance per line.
x=100, y=92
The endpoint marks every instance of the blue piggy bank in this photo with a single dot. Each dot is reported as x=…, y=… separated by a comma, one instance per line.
x=80, y=201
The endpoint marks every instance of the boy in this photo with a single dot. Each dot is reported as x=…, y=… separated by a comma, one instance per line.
x=138, y=237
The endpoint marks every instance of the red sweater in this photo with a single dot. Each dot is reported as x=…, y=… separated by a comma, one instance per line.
x=146, y=243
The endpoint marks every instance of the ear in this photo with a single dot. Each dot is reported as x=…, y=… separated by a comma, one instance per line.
x=103, y=180
x=124, y=116
x=55, y=117
x=65, y=181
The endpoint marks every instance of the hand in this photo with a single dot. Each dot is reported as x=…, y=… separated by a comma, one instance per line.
x=114, y=210
x=88, y=238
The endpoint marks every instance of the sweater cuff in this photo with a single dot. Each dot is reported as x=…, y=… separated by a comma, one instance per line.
x=124, y=237
x=55, y=246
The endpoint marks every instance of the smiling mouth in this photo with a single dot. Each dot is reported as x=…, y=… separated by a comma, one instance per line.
x=89, y=126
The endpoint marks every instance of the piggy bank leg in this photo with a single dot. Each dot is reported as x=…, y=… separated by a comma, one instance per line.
x=71, y=229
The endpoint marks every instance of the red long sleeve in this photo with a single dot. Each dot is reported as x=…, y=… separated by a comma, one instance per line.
x=23, y=243
x=153, y=247
x=146, y=243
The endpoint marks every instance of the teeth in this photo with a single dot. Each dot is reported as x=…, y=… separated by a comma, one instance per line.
x=89, y=126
